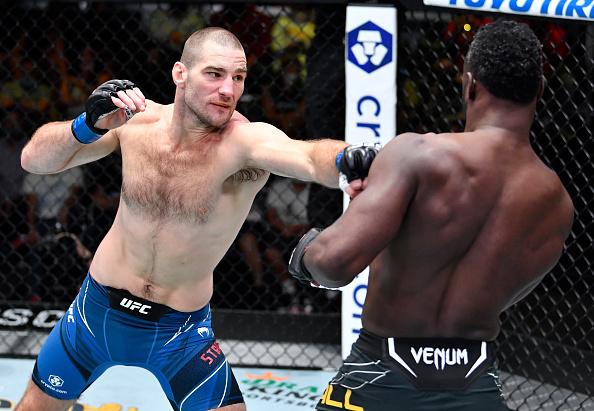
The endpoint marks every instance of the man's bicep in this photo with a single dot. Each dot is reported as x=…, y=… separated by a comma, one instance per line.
x=371, y=221
x=376, y=215
x=270, y=149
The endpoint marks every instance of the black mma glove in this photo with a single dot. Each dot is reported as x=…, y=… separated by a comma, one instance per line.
x=296, y=266
x=99, y=105
x=354, y=162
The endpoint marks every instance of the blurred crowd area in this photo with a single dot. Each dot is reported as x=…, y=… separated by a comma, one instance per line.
x=53, y=54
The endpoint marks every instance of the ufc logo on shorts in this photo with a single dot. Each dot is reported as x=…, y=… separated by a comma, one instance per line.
x=133, y=305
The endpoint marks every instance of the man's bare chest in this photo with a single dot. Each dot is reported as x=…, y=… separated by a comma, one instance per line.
x=184, y=186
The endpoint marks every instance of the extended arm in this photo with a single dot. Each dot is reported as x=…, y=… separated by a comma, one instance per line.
x=340, y=252
x=268, y=148
x=58, y=146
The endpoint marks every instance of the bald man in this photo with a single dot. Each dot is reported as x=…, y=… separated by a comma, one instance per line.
x=190, y=172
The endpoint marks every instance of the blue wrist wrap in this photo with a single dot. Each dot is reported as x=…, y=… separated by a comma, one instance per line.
x=338, y=158
x=81, y=131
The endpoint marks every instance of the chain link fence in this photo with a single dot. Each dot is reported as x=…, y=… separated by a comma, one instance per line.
x=54, y=53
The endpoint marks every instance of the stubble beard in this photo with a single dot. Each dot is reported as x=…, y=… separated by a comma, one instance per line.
x=203, y=120
x=201, y=117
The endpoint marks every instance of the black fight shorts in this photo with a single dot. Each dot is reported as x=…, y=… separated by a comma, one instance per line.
x=416, y=374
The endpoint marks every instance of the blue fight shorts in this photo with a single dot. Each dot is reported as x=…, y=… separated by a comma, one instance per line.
x=105, y=327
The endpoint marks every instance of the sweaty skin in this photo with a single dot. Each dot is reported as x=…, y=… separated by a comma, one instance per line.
x=455, y=228
x=190, y=172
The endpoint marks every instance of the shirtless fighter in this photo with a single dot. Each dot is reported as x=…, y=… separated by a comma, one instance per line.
x=191, y=170
x=456, y=227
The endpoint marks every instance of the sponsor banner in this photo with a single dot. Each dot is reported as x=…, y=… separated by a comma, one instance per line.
x=21, y=317
x=370, y=64
x=563, y=9
x=282, y=389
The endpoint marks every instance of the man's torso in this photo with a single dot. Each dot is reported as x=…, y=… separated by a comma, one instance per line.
x=182, y=206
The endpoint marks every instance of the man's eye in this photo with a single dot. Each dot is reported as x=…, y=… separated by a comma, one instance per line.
x=213, y=74
x=238, y=78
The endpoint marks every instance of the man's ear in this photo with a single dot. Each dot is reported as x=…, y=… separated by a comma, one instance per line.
x=469, y=86
x=179, y=73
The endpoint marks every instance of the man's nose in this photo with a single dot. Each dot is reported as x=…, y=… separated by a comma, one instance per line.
x=226, y=87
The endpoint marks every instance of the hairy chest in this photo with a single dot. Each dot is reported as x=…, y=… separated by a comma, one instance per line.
x=180, y=185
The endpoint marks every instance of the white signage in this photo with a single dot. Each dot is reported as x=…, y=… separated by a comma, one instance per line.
x=562, y=9
x=370, y=64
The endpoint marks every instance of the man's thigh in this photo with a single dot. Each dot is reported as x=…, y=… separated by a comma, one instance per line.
x=55, y=372
x=204, y=385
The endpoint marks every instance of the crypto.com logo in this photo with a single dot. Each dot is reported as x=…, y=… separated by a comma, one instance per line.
x=369, y=47
x=55, y=380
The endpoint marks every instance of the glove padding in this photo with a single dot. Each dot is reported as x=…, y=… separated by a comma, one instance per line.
x=355, y=161
x=99, y=103
x=296, y=265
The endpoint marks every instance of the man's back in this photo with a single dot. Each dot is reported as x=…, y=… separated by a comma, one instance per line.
x=455, y=228
x=486, y=221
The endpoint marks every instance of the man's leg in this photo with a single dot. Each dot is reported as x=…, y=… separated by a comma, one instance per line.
x=36, y=400
x=233, y=407
x=205, y=382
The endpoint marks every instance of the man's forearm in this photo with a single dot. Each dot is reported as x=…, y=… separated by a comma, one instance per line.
x=324, y=158
x=50, y=149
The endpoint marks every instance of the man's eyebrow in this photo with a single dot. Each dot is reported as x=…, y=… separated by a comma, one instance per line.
x=221, y=69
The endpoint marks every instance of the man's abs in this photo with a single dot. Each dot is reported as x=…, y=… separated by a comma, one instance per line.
x=183, y=298
x=166, y=264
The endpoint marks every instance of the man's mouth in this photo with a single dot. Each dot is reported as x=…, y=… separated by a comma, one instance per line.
x=222, y=105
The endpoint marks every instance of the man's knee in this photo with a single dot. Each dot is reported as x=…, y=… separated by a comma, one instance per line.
x=35, y=399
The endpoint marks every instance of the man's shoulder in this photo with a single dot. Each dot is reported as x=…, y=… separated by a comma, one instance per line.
x=239, y=118
x=555, y=190
x=251, y=132
x=422, y=154
x=416, y=147
x=153, y=113
x=237, y=125
x=416, y=141
x=146, y=122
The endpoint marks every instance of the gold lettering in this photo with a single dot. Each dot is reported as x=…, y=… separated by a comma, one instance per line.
x=324, y=396
x=330, y=402
x=347, y=402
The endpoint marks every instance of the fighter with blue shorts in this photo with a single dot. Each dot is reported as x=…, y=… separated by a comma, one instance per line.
x=105, y=327
x=190, y=173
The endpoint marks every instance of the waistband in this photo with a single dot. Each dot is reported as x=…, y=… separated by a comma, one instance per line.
x=125, y=302
x=431, y=363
